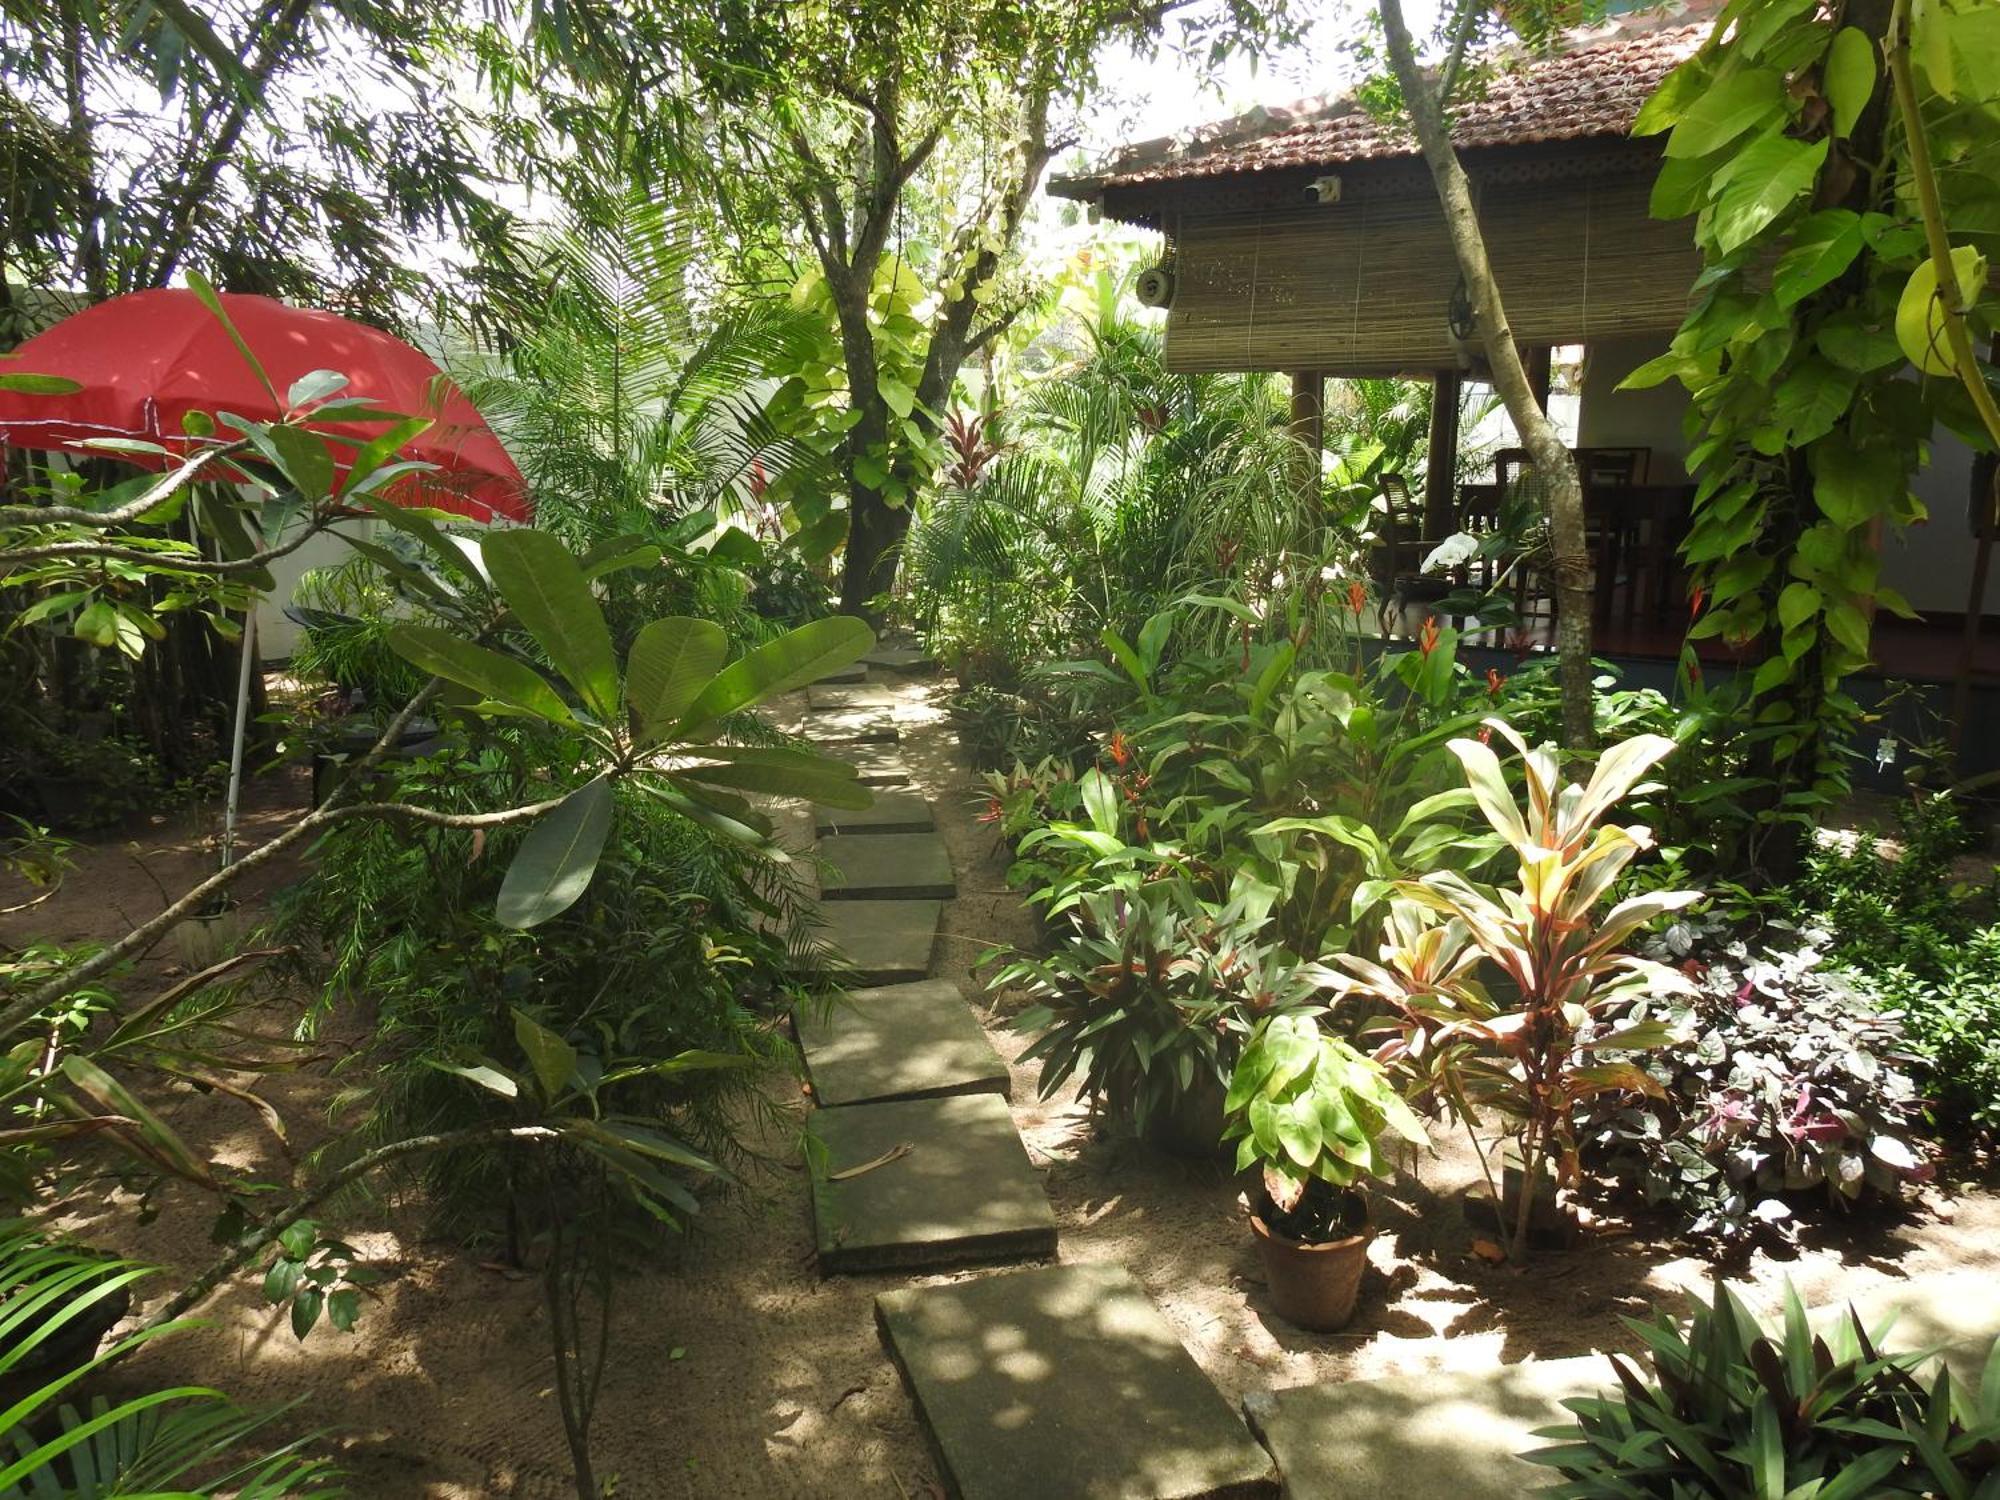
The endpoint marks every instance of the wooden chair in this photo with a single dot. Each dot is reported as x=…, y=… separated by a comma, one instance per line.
x=1398, y=560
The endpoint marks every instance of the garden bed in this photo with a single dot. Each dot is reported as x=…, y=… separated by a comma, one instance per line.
x=742, y=1372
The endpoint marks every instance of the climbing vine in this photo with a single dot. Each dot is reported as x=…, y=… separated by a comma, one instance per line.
x=1819, y=352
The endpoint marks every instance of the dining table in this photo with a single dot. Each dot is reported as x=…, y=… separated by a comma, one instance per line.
x=1634, y=530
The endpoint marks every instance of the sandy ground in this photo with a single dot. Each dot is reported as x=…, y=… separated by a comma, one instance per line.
x=739, y=1372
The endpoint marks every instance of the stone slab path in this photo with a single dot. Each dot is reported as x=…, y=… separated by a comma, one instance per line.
x=878, y=866
x=1442, y=1435
x=917, y=1183
x=885, y=942
x=1066, y=1381
x=902, y=1041
x=894, y=811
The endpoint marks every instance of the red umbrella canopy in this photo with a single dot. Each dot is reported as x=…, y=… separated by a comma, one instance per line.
x=146, y=359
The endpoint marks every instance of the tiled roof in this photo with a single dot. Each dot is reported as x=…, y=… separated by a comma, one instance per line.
x=1593, y=89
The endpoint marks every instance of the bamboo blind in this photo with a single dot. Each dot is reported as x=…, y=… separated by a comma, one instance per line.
x=1363, y=286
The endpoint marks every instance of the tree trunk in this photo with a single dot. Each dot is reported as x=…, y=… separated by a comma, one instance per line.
x=875, y=531
x=1555, y=465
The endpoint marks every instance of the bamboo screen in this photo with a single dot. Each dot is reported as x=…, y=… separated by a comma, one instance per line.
x=1363, y=286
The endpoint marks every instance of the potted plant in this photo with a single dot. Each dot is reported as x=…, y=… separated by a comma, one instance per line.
x=1310, y=1111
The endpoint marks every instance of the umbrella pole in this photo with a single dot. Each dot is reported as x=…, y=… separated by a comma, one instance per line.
x=236, y=740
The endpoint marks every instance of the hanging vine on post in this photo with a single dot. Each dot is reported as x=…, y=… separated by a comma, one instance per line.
x=1818, y=297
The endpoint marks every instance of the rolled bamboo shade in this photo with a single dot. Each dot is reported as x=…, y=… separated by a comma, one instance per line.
x=1363, y=286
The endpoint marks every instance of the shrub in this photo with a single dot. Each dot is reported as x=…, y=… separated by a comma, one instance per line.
x=1149, y=996
x=1795, y=1090
x=1310, y=1111
x=1731, y=1410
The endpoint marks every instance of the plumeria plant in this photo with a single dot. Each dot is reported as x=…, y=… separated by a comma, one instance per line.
x=1508, y=1000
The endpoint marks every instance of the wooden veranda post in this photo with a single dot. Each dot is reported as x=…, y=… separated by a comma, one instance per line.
x=1309, y=425
x=1441, y=462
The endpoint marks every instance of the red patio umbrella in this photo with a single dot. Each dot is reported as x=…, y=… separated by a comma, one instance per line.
x=146, y=359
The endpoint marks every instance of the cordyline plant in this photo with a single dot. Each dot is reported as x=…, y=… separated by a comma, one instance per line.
x=1527, y=1045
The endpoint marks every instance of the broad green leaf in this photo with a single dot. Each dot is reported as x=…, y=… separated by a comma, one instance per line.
x=500, y=678
x=1100, y=801
x=1853, y=343
x=38, y=385
x=1730, y=106
x=487, y=1077
x=1920, y=316
x=555, y=862
x=543, y=584
x=314, y=386
x=792, y=660
x=1823, y=246
x=552, y=1058
x=899, y=398
x=826, y=782
x=1855, y=485
x=1677, y=91
x=1812, y=400
x=1766, y=179
x=304, y=461
x=115, y=1098
x=671, y=661
x=1848, y=78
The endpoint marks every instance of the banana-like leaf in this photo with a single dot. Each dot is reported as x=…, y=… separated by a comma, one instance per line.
x=542, y=583
x=825, y=785
x=792, y=660
x=671, y=661
x=500, y=678
x=554, y=865
x=1489, y=785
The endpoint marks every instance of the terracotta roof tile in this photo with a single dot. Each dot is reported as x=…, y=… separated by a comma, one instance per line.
x=1594, y=89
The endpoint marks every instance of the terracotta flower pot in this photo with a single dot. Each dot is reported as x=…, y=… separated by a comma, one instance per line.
x=1313, y=1286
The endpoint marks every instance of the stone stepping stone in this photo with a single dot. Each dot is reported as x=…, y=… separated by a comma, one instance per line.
x=892, y=812
x=878, y=765
x=886, y=867
x=963, y=1190
x=839, y=726
x=854, y=672
x=1066, y=1381
x=884, y=942
x=820, y=697
x=901, y=1041
x=909, y=659
x=1442, y=1435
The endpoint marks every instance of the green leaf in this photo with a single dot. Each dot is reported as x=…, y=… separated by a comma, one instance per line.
x=343, y=1309
x=1853, y=343
x=1920, y=325
x=38, y=385
x=281, y=1280
x=1855, y=485
x=500, y=678
x=1727, y=108
x=899, y=398
x=555, y=862
x=1797, y=604
x=1766, y=178
x=1671, y=100
x=305, y=1311
x=1100, y=801
x=312, y=387
x=671, y=661
x=304, y=461
x=792, y=660
x=1813, y=399
x=542, y=582
x=552, y=1058
x=825, y=781
x=1823, y=246
x=1848, y=78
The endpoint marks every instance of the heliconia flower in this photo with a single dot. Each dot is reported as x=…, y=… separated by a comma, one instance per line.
x=1121, y=748
x=759, y=481
x=1357, y=597
x=1427, y=635
x=1495, y=679
x=994, y=811
x=1485, y=734
x=1695, y=601
x=1694, y=673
